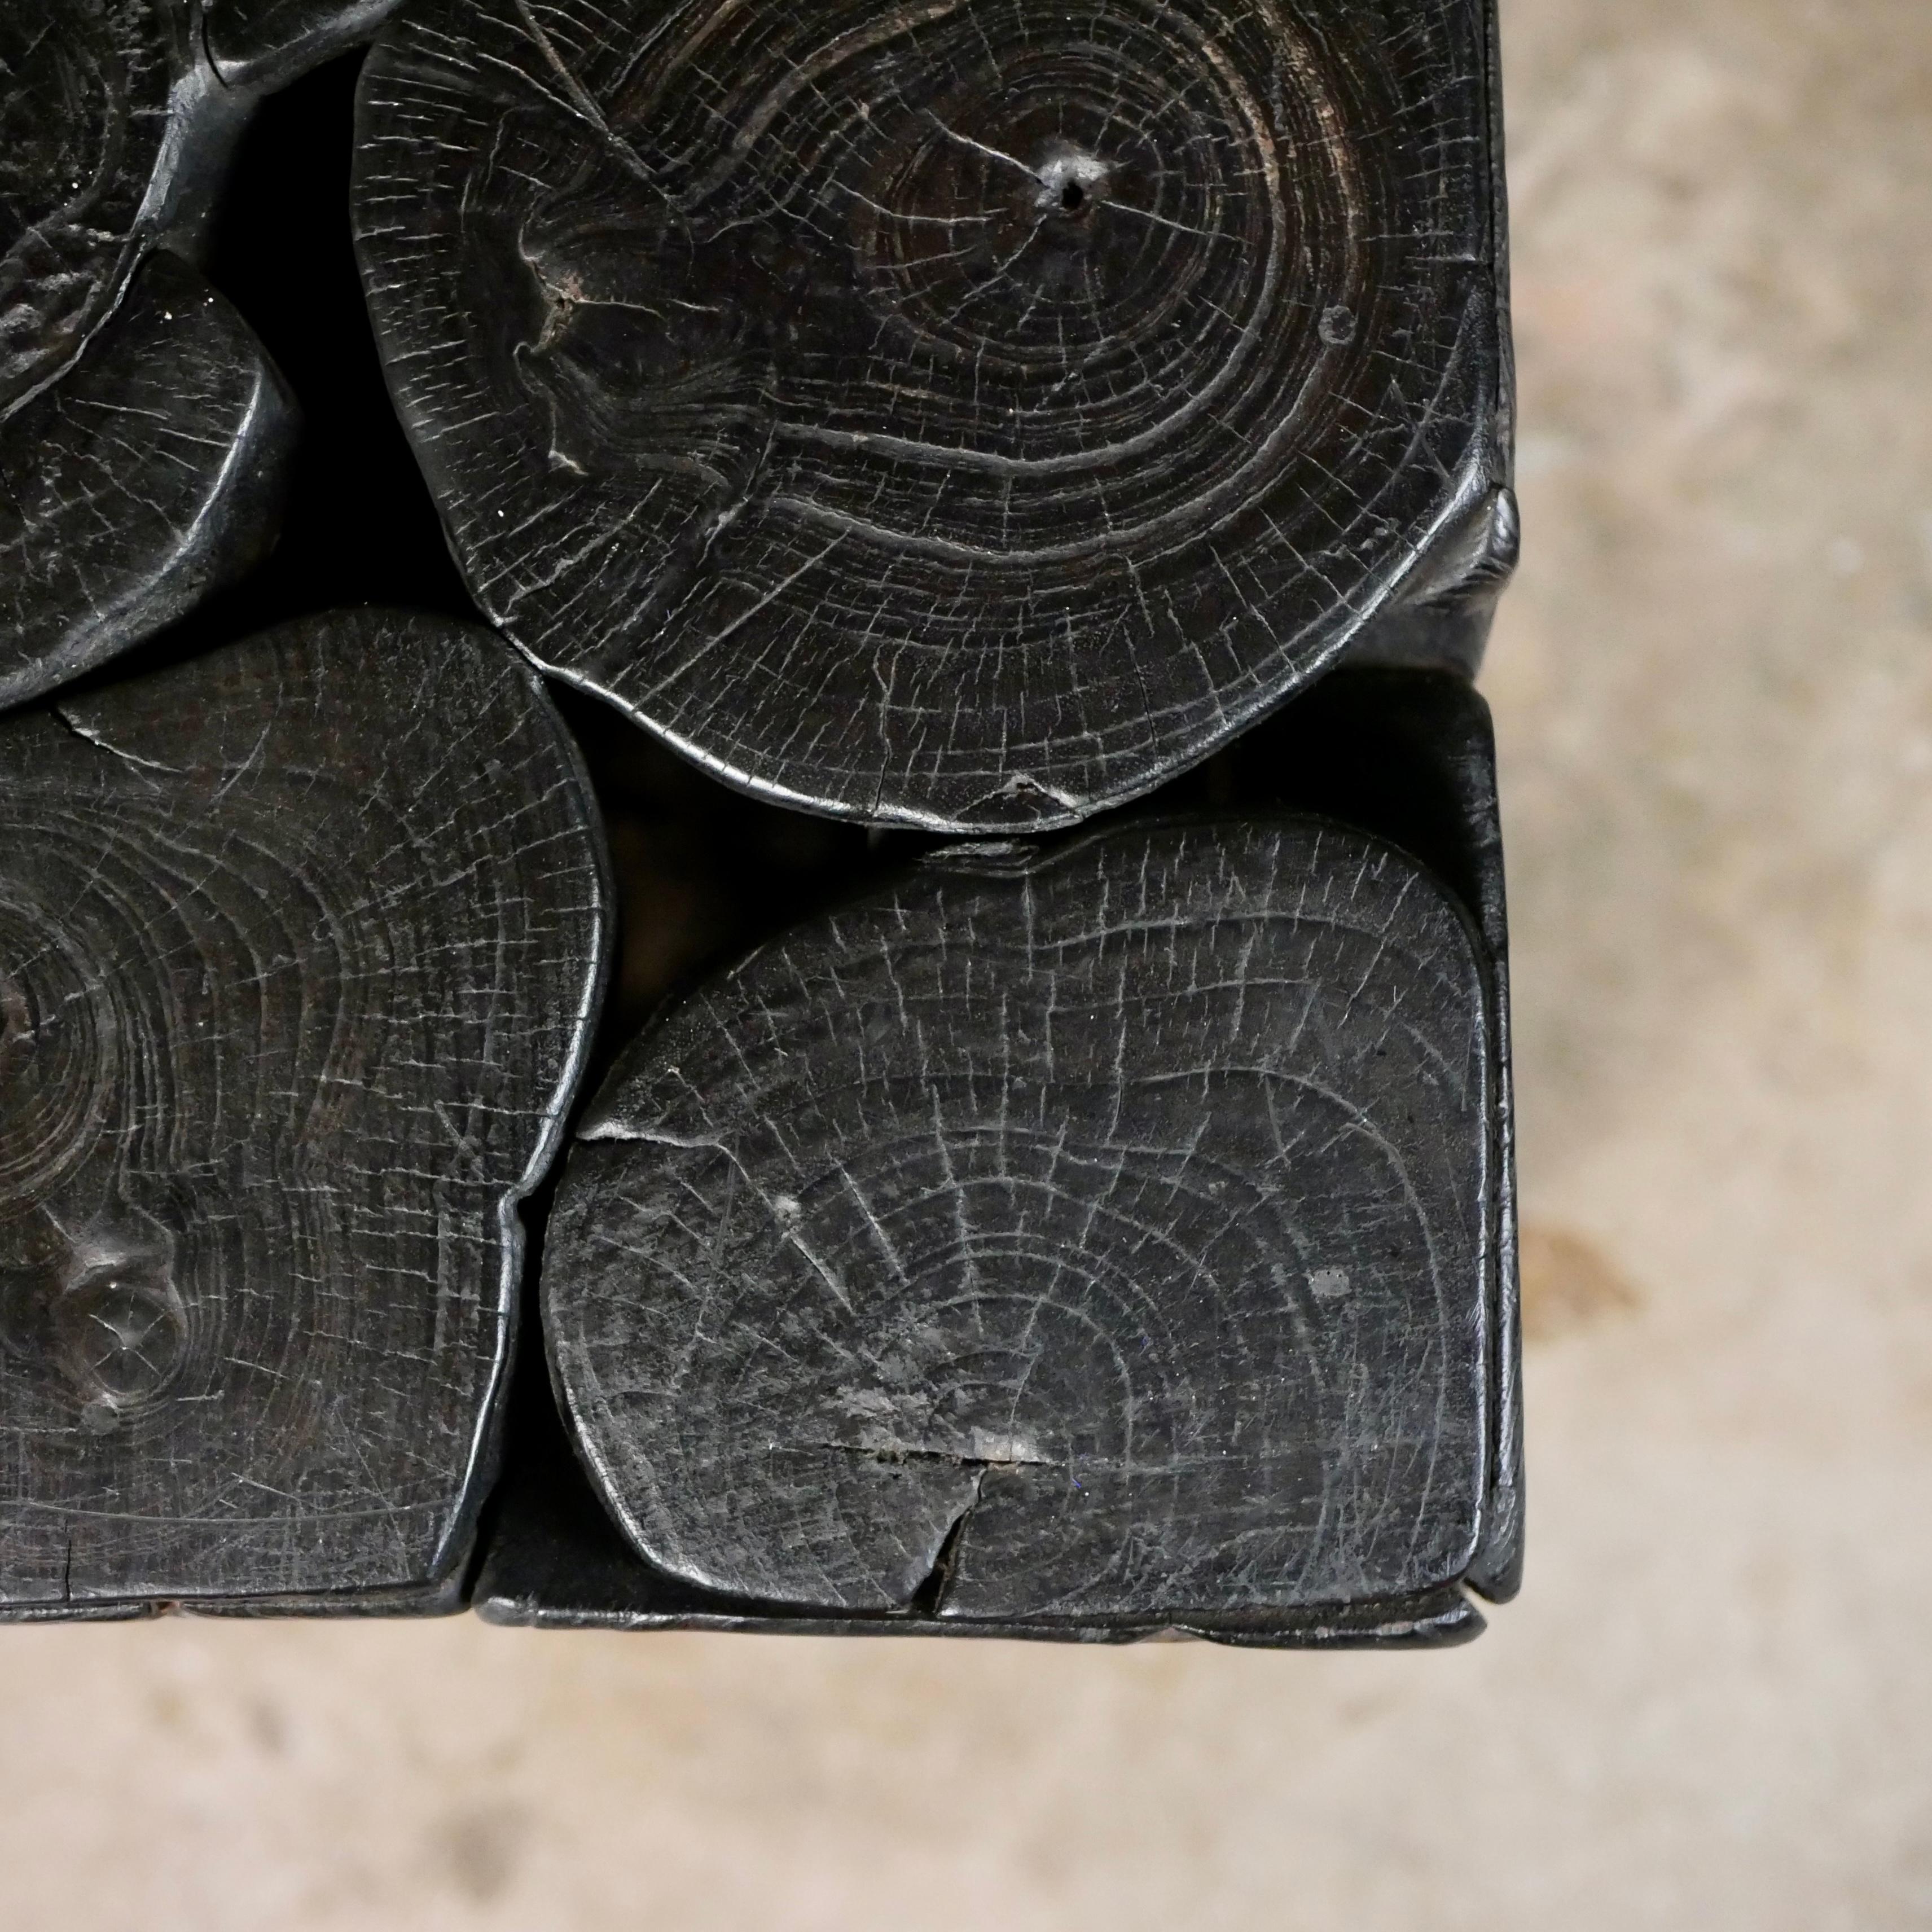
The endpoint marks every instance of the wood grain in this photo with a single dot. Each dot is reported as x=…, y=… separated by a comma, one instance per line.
x=264, y=42
x=144, y=434
x=960, y=414
x=1106, y=1234
x=105, y=120
x=154, y=473
x=300, y=946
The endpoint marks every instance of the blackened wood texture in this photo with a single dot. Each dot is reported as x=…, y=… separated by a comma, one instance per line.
x=151, y=474
x=1412, y=754
x=300, y=945
x=144, y=432
x=960, y=414
x=113, y=131
x=1408, y=755
x=554, y=1560
x=263, y=43
x=115, y=127
x=1106, y=1236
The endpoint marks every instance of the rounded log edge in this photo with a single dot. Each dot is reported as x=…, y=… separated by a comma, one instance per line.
x=1105, y=1235
x=301, y=947
x=963, y=417
x=154, y=472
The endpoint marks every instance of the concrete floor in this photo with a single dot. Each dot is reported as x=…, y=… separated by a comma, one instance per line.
x=1710, y=1707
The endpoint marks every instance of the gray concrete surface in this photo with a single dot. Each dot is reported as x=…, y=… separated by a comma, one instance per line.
x=1711, y=1708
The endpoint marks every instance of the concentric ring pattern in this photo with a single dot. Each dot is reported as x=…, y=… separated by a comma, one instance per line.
x=297, y=947
x=962, y=413
x=85, y=169
x=150, y=475
x=1107, y=1236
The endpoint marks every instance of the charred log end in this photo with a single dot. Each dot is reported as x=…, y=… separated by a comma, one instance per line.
x=981, y=417
x=936, y=1455
x=154, y=473
x=144, y=435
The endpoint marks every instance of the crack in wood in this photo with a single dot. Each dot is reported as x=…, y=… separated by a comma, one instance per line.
x=1101, y=375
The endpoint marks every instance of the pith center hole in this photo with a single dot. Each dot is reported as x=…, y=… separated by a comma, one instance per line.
x=1070, y=182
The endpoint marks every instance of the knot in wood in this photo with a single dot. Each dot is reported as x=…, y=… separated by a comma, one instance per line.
x=121, y=1331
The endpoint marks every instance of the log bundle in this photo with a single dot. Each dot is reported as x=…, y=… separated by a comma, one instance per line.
x=1071, y=1198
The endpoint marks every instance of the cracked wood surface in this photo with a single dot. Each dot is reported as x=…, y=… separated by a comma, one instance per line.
x=144, y=433
x=1106, y=1234
x=154, y=473
x=961, y=414
x=109, y=125
x=264, y=42
x=300, y=947
x=118, y=118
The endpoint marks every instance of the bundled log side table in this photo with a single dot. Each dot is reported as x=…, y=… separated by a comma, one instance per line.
x=1064, y=451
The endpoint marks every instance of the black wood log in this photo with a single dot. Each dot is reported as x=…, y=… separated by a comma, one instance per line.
x=1074, y=1244
x=144, y=432
x=300, y=947
x=961, y=416
x=151, y=474
x=113, y=132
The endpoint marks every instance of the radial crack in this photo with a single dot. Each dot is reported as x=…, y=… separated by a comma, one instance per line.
x=929, y=1598
x=100, y=743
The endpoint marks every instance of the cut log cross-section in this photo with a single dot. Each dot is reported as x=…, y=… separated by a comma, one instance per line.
x=110, y=130
x=151, y=474
x=300, y=946
x=962, y=414
x=144, y=432
x=1109, y=1236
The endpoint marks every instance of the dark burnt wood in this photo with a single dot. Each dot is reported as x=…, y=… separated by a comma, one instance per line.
x=555, y=1560
x=144, y=434
x=300, y=947
x=262, y=44
x=152, y=474
x=868, y=1254
x=962, y=415
x=112, y=133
